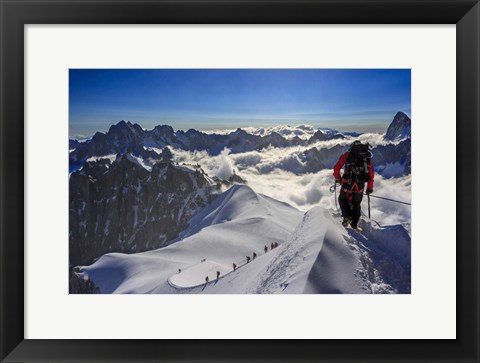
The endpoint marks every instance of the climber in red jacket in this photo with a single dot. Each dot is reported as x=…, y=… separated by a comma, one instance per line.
x=358, y=171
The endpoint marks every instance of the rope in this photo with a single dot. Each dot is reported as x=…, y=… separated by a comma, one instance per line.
x=333, y=187
x=391, y=200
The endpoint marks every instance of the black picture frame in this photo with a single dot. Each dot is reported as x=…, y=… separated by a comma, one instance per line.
x=16, y=13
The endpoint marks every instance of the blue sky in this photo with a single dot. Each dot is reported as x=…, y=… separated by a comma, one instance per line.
x=349, y=100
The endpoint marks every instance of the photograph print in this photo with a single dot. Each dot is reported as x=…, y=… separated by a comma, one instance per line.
x=239, y=181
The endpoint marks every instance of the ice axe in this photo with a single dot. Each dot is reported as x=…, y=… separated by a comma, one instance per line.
x=333, y=189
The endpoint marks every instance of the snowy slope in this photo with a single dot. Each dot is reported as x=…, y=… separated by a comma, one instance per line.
x=196, y=275
x=237, y=224
x=323, y=257
x=315, y=254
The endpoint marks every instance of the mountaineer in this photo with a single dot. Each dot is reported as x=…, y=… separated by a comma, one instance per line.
x=358, y=170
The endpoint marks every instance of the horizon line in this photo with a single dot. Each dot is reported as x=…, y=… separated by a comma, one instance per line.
x=369, y=128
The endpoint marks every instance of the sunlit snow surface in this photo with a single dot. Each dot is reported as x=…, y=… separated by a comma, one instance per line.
x=315, y=254
x=197, y=275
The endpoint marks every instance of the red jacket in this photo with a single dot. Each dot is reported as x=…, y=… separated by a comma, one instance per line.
x=338, y=166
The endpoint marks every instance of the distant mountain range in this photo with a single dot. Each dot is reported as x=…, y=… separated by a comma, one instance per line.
x=126, y=194
x=126, y=136
x=147, y=144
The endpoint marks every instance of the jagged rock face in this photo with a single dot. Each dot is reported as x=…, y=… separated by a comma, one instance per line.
x=324, y=136
x=400, y=128
x=160, y=136
x=73, y=144
x=196, y=140
x=120, y=138
x=236, y=179
x=122, y=207
x=275, y=139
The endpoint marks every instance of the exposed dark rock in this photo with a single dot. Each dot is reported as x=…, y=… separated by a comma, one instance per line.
x=77, y=285
x=320, y=135
x=122, y=207
x=400, y=128
x=235, y=178
x=73, y=144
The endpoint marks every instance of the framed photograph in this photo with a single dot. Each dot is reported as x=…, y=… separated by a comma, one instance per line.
x=239, y=181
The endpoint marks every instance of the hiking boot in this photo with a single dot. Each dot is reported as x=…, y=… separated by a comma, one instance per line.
x=346, y=221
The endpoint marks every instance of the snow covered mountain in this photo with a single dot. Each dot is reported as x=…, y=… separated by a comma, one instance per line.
x=315, y=254
x=390, y=160
x=144, y=212
x=393, y=160
x=127, y=206
x=126, y=136
x=322, y=147
x=298, y=132
x=400, y=128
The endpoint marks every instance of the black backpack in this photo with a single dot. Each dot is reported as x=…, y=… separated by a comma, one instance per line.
x=358, y=162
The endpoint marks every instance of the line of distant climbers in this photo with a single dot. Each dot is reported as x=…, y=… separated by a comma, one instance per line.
x=248, y=259
x=273, y=245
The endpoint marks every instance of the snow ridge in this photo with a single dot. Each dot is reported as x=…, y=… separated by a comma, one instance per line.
x=292, y=254
x=315, y=254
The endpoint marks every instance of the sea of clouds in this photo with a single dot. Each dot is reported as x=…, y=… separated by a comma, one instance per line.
x=276, y=172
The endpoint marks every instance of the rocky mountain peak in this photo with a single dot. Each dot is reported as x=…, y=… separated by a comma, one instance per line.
x=400, y=128
x=323, y=135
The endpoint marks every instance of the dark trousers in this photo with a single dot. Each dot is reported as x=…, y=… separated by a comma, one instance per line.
x=350, y=202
